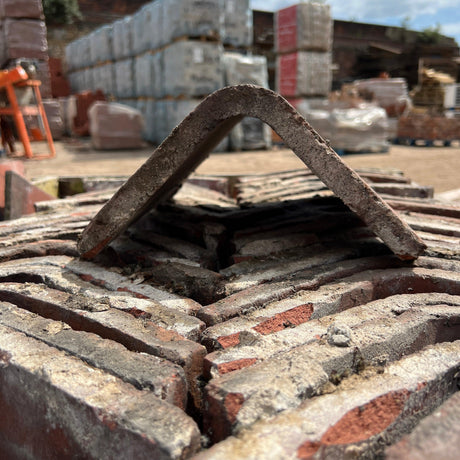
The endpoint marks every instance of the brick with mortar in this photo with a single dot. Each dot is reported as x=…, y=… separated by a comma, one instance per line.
x=382, y=331
x=163, y=378
x=67, y=408
x=364, y=414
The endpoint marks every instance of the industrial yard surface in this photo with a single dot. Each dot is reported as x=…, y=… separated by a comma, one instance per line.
x=435, y=166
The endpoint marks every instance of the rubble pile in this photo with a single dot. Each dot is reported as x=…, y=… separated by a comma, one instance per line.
x=242, y=311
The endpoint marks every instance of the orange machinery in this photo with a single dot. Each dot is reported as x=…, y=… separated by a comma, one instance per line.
x=17, y=77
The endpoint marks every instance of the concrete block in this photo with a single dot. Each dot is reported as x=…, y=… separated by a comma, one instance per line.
x=105, y=79
x=122, y=38
x=251, y=133
x=124, y=78
x=237, y=27
x=192, y=69
x=149, y=28
x=77, y=54
x=304, y=73
x=148, y=71
x=192, y=18
x=115, y=126
x=100, y=45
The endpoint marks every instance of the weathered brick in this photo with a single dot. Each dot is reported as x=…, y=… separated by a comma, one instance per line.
x=436, y=225
x=404, y=190
x=190, y=143
x=329, y=299
x=437, y=436
x=309, y=279
x=165, y=379
x=435, y=208
x=82, y=200
x=137, y=334
x=71, y=275
x=242, y=276
x=67, y=409
x=437, y=263
x=362, y=415
x=177, y=247
x=203, y=285
x=381, y=331
x=39, y=249
x=37, y=227
x=441, y=245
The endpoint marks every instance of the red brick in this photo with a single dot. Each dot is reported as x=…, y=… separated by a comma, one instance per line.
x=161, y=377
x=135, y=334
x=280, y=380
x=65, y=409
x=437, y=436
x=358, y=418
x=8, y=165
x=21, y=196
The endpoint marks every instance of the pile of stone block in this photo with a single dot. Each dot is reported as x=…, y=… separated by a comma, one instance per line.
x=303, y=41
x=115, y=126
x=23, y=35
x=170, y=50
x=414, y=127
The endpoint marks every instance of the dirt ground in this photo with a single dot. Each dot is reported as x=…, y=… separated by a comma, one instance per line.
x=436, y=166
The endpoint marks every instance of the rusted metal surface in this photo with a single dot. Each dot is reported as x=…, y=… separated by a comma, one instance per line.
x=190, y=143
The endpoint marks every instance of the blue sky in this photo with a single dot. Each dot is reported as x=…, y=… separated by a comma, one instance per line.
x=420, y=13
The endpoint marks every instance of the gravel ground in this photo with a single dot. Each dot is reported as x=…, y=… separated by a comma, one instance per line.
x=436, y=166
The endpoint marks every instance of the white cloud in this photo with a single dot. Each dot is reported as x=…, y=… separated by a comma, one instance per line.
x=451, y=29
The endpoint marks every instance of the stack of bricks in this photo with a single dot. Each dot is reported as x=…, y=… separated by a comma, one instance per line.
x=303, y=41
x=60, y=86
x=248, y=317
x=163, y=59
x=23, y=35
x=425, y=127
